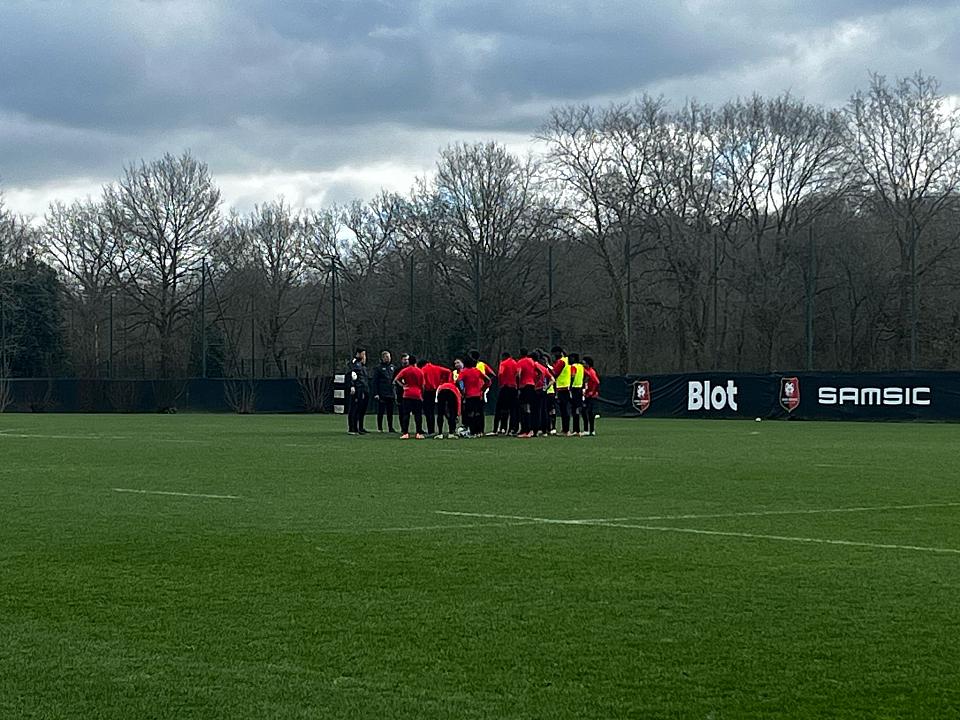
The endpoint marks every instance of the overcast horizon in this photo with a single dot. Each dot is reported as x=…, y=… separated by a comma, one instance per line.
x=324, y=102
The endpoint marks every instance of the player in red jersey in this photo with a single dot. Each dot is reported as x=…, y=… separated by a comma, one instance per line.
x=542, y=422
x=410, y=379
x=527, y=379
x=448, y=408
x=507, y=398
x=475, y=384
x=591, y=393
x=433, y=377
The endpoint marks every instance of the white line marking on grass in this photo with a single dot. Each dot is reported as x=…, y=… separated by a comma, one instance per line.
x=9, y=434
x=716, y=533
x=754, y=513
x=813, y=511
x=426, y=528
x=551, y=521
x=178, y=494
x=65, y=437
x=854, y=466
x=632, y=458
x=782, y=538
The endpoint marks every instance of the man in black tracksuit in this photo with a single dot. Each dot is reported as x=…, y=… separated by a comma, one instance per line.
x=383, y=390
x=359, y=389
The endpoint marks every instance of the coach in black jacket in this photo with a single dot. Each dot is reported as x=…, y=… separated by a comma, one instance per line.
x=359, y=385
x=383, y=390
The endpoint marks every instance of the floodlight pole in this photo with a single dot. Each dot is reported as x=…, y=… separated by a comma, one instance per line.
x=550, y=291
x=110, y=362
x=203, y=318
x=476, y=284
x=913, y=296
x=3, y=334
x=333, y=313
x=627, y=318
x=811, y=289
x=412, y=301
x=716, y=302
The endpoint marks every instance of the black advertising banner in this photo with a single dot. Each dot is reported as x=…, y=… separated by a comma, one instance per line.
x=795, y=395
x=874, y=396
x=897, y=396
x=699, y=395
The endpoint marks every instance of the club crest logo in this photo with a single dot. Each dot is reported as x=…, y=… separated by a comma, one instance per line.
x=789, y=393
x=641, y=395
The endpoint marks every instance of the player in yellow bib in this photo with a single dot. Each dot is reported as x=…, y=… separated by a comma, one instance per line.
x=562, y=373
x=577, y=381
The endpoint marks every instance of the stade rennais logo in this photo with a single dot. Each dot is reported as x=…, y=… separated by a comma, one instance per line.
x=789, y=393
x=641, y=395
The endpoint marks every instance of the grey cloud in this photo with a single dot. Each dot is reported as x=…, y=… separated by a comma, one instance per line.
x=256, y=85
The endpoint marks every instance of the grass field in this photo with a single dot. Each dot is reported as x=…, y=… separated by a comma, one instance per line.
x=724, y=570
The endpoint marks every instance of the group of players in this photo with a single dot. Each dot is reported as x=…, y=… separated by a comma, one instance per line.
x=533, y=391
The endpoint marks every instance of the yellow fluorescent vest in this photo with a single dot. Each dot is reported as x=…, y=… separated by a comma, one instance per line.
x=563, y=379
x=579, y=377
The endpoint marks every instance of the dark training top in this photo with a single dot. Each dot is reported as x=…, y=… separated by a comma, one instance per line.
x=383, y=376
x=357, y=377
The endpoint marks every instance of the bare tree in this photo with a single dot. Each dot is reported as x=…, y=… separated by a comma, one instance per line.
x=603, y=163
x=82, y=244
x=492, y=207
x=374, y=228
x=905, y=147
x=782, y=160
x=271, y=246
x=168, y=215
x=17, y=236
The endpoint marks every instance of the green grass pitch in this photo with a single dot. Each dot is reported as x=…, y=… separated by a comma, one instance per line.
x=724, y=570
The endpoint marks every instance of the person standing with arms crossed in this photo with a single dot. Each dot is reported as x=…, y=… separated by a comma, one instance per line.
x=359, y=392
x=383, y=390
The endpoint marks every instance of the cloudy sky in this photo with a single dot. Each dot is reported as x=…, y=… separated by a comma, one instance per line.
x=324, y=101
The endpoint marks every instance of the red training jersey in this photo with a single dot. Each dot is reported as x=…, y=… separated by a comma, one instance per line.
x=527, y=369
x=591, y=385
x=411, y=378
x=434, y=376
x=546, y=377
x=474, y=382
x=507, y=373
x=450, y=387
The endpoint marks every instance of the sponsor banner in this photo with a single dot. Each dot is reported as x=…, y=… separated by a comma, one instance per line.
x=932, y=396
x=925, y=396
x=879, y=396
x=702, y=395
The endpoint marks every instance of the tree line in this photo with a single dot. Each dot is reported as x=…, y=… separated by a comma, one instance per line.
x=765, y=233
